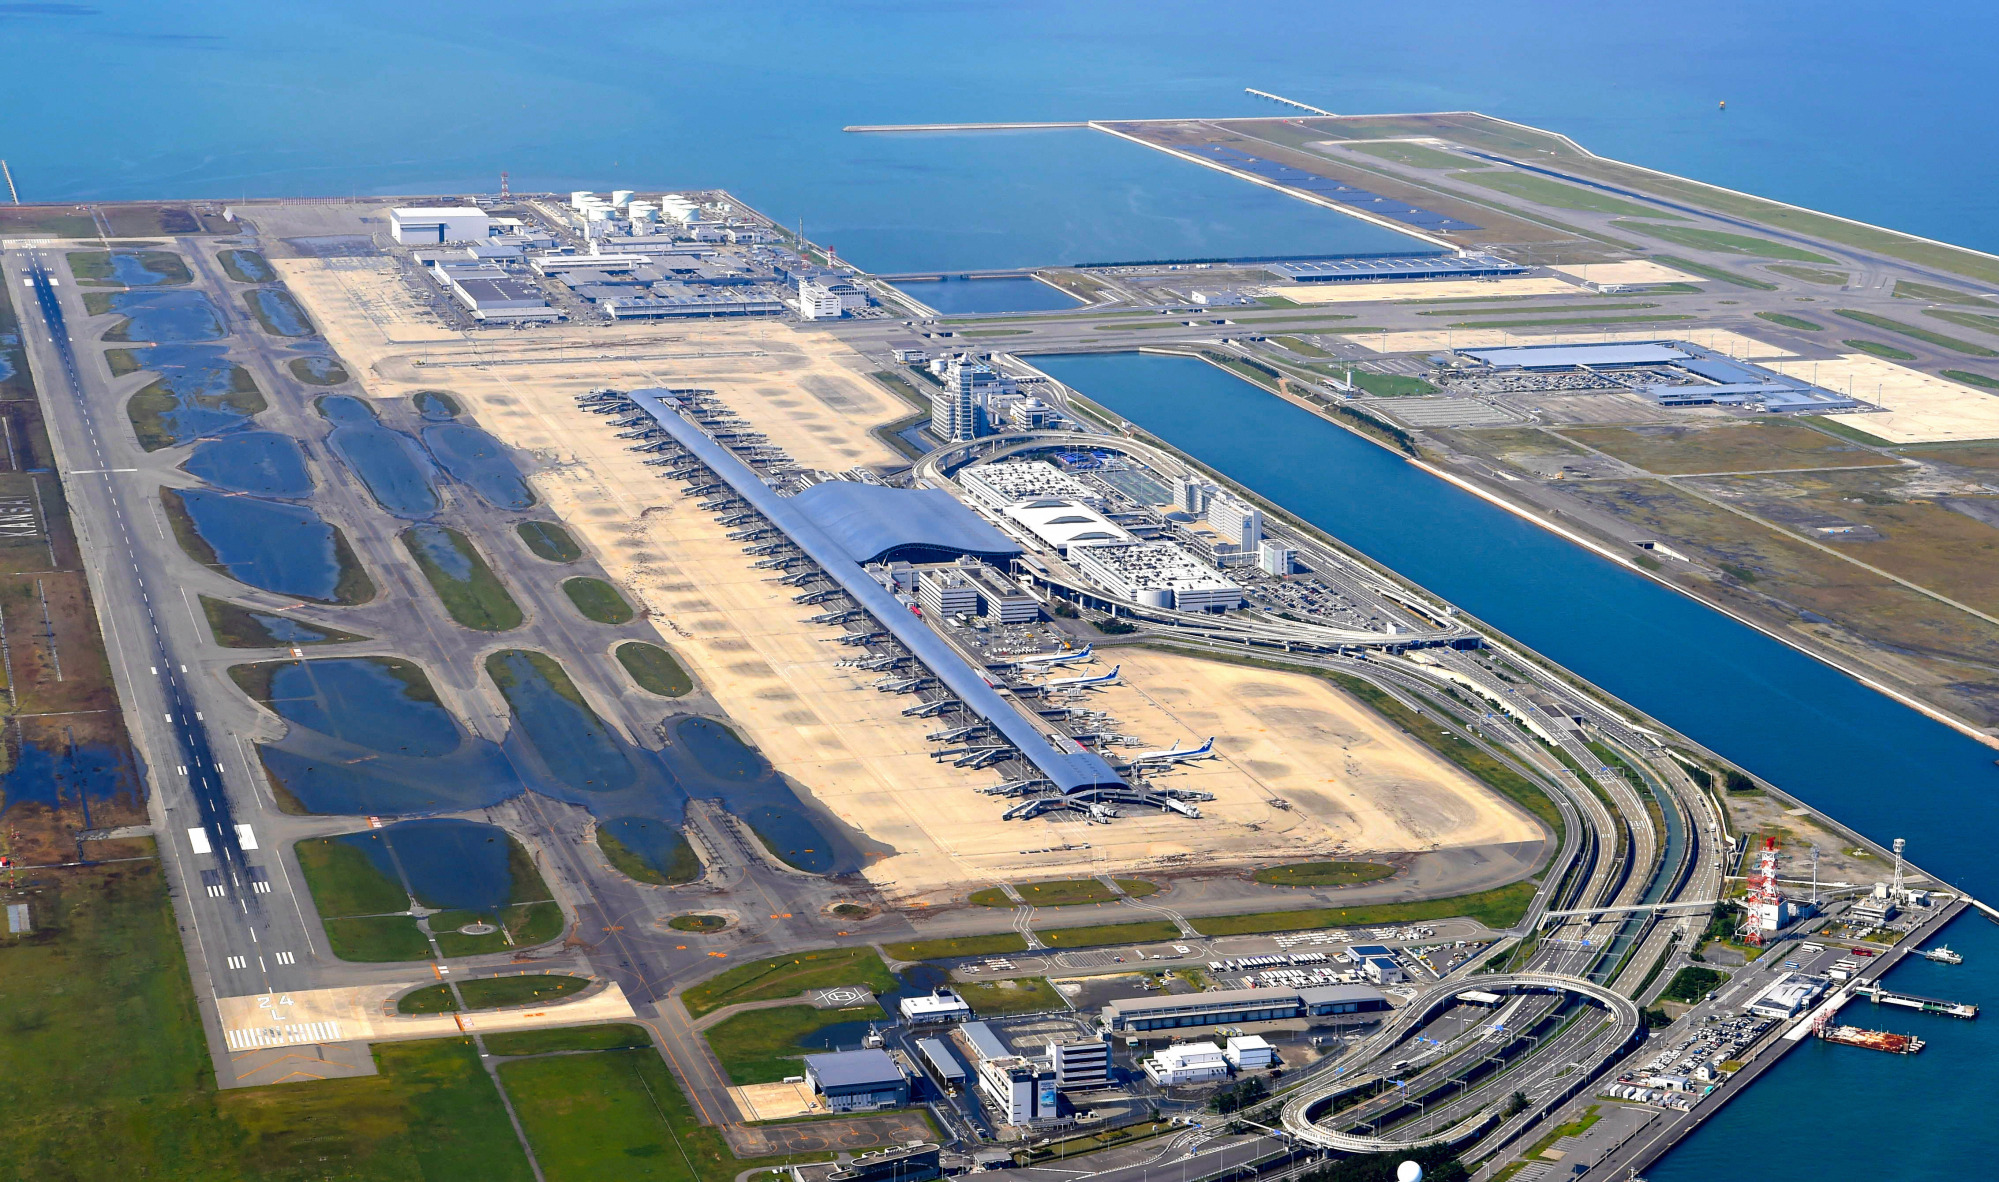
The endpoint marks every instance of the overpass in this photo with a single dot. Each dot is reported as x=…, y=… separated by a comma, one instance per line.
x=1676, y=905
x=1299, y=1114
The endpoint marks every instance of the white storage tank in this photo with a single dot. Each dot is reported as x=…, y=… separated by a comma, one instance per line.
x=621, y=196
x=581, y=198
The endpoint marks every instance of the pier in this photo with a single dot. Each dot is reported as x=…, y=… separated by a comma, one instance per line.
x=1873, y=991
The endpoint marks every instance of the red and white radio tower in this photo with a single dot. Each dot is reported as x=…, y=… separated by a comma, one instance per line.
x=1765, y=901
x=503, y=187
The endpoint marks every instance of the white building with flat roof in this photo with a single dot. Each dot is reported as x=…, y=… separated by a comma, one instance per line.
x=1249, y=1052
x=430, y=226
x=1238, y=521
x=1156, y=574
x=941, y=1006
x=1187, y=1063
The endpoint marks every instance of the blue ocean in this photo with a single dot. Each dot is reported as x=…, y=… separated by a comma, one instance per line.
x=1875, y=112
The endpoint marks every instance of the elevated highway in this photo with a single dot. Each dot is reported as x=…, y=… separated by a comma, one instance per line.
x=1302, y=1113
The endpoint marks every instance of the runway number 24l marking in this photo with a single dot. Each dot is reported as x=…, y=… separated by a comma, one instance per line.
x=267, y=1002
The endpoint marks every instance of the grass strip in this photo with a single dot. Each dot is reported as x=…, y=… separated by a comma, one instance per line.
x=549, y=541
x=1023, y=995
x=788, y=976
x=1918, y=332
x=654, y=669
x=1708, y=272
x=1545, y=191
x=1567, y=320
x=997, y=944
x=478, y=601
x=1499, y=908
x=1818, y=275
x=1064, y=892
x=1973, y=320
x=1317, y=874
x=491, y=993
x=1790, y=321
x=611, y=1037
x=1879, y=349
x=597, y=600
x=236, y=626
x=1100, y=935
x=1972, y=379
x=1725, y=243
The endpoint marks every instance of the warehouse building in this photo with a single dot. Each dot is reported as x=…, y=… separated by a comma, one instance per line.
x=1156, y=574
x=1223, y=1007
x=941, y=1006
x=502, y=298
x=858, y=1081
x=950, y=1072
x=427, y=226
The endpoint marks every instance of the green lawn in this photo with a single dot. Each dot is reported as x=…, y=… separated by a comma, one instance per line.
x=1544, y=191
x=1818, y=275
x=1972, y=379
x=597, y=600
x=1311, y=874
x=614, y=1036
x=1932, y=293
x=1063, y=892
x=524, y=926
x=1025, y=995
x=1918, y=332
x=619, y=1114
x=1723, y=242
x=491, y=993
x=1693, y=983
x=998, y=944
x=1391, y=385
x=549, y=541
x=1878, y=349
x=479, y=601
x=1099, y=935
x=1708, y=272
x=377, y=938
x=762, y=1046
x=654, y=669
x=1981, y=322
x=682, y=864
x=1414, y=155
x=1558, y=320
x=789, y=976
x=344, y=882
x=1500, y=908
x=1790, y=321
x=105, y=1071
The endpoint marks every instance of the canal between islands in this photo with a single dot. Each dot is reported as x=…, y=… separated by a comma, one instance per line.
x=1861, y=757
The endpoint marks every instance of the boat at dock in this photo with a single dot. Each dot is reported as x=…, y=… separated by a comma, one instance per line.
x=1873, y=1040
x=1873, y=991
x=1942, y=955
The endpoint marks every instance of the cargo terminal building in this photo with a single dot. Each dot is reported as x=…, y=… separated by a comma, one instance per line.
x=1228, y=1007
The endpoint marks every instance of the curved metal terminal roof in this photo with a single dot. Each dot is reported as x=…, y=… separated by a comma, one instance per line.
x=1070, y=768
x=875, y=524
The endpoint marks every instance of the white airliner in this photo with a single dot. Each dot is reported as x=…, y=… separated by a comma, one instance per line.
x=1177, y=754
x=1083, y=682
x=1052, y=659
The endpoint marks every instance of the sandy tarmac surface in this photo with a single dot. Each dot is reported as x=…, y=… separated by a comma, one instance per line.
x=1354, y=784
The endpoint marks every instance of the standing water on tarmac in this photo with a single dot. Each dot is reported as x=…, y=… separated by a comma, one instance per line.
x=395, y=467
x=264, y=463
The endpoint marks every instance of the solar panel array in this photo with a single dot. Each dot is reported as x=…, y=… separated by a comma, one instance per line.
x=1333, y=190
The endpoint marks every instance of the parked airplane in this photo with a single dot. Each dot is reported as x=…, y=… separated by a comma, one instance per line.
x=1177, y=754
x=1084, y=682
x=1051, y=659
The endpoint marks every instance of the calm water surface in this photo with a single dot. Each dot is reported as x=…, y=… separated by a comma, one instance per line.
x=954, y=297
